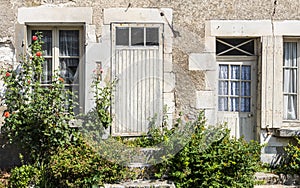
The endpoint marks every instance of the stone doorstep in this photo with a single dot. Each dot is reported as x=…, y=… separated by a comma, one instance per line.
x=276, y=186
x=277, y=181
x=142, y=184
x=267, y=178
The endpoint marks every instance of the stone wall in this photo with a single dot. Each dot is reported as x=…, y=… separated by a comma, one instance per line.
x=188, y=20
x=188, y=28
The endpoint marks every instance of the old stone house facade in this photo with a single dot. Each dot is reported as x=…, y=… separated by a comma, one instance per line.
x=236, y=60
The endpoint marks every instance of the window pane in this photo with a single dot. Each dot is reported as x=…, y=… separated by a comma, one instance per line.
x=137, y=36
x=245, y=104
x=152, y=37
x=47, y=39
x=223, y=87
x=235, y=88
x=290, y=106
x=246, y=88
x=290, y=80
x=122, y=36
x=235, y=72
x=69, y=70
x=223, y=71
x=47, y=71
x=69, y=42
x=75, y=98
x=223, y=104
x=234, y=104
x=290, y=54
x=246, y=72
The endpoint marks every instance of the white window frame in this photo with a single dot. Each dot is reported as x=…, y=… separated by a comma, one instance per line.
x=55, y=53
x=297, y=119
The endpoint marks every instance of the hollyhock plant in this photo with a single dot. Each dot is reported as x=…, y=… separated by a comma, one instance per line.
x=34, y=38
x=6, y=114
x=35, y=121
x=38, y=54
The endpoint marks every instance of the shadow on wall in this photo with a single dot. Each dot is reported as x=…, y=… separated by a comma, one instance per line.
x=9, y=154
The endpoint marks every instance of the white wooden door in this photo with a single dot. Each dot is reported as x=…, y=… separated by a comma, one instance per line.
x=137, y=65
x=237, y=97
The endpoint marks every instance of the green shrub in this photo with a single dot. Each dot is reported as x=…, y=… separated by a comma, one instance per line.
x=226, y=162
x=24, y=176
x=290, y=160
x=80, y=166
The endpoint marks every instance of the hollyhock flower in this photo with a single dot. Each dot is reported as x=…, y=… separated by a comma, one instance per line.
x=6, y=114
x=7, y=74
x=61, y=79
x=34, y=38
x=28, y=81
x=101, y=70
x=38, y=54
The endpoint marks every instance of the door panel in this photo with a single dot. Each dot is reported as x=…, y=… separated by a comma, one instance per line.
x=237, y=97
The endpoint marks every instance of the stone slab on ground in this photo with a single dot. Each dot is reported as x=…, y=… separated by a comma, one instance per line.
x=142, y=184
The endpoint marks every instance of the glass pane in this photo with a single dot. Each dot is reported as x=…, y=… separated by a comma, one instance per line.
x=69, y=70
x=122, y=36
x=290, y=54
x=223, y=71
x=245, y=104
x=246, y=72
x=246, y=88
x=75, y=98
x=234, y=104
x=69, y=42
x=234, y=88
x=223, y=87
x=137, y=36
x=47, y=39
x=290, y=106
x=235, y=72
x=223, y=104
x=152, y=38
x=290, y=80
x=47, y=71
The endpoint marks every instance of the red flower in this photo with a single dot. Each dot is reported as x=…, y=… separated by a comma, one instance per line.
x=28, y=81
x=61, y=79
x=38, y=54
x=34, y=38
x=6, y=114
x=7, y=74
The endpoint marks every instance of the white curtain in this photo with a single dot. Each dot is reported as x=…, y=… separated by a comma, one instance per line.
x=239, y=82
x=69, y=49
x=290, y=80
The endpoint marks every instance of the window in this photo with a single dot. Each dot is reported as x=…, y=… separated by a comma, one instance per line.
x=234, y=88
x=235, y=75
x=290, y=80
x=62, y=52
x=137, y=36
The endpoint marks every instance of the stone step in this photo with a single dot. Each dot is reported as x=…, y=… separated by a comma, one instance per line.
x=142, y=184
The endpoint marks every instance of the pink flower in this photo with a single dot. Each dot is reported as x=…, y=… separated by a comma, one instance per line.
x=34, y=38
x=7, y=74
x=101, y=70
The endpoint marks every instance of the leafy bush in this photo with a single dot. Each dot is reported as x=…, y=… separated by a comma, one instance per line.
x=226, y=162
x=24, y=176
x=290, y=161
x=81, y=166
